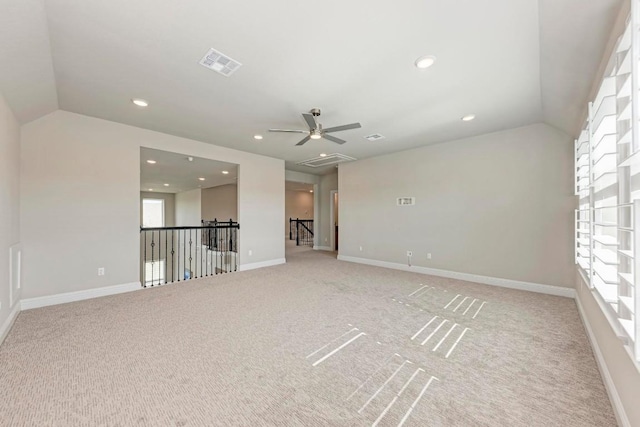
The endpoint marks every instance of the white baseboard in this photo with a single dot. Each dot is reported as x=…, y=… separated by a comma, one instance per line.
x=253, y=266
x=609, y=385
x=494, y=281
x=322, y=248
x=8, y=323
x=29, y=303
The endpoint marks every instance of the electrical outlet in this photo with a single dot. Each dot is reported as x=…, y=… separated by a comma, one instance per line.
x=360, y=248
x=250, y=252
x=101, y=271
x=409, y=253
x=429, y=255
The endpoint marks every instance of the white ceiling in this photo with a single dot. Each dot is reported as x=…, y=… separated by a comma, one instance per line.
x=180, y=173
x=510, y=62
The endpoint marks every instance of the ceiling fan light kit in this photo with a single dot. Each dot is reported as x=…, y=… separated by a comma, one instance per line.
x=315, y=129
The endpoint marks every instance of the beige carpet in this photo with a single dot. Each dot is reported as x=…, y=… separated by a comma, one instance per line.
x=315, y=342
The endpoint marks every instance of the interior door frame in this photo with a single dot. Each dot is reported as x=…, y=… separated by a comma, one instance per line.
x=332, y=223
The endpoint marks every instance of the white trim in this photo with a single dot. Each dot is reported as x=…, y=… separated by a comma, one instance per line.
x=493, y=281
x=253, y=266
x=29, y=303
x=322, y=248
x=332, y=215
x=609, y=385
x=316, y=213
x=8, y=323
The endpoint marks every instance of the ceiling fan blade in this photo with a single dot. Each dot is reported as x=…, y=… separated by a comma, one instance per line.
x=334, y=139
x=343, y=127
x=304, y=140
x=311, y=121
x=289, y=130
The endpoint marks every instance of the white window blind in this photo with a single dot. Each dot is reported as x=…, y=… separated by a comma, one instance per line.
x=607, y=183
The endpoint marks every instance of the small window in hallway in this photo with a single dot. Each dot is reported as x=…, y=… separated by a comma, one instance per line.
x=152, y=213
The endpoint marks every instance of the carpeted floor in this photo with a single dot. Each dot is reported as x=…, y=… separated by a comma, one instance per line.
x=315, y=342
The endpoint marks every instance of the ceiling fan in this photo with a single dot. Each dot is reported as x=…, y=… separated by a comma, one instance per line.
x=315, y=129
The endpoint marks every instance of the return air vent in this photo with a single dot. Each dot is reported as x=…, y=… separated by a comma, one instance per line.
x=217, y=61
x=330, y=159
x=374, y=137
x=406, y=201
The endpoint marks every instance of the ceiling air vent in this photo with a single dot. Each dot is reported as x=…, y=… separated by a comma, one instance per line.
x=219, y=62
x=374, y=137
x=406, y=201
x=329, y=159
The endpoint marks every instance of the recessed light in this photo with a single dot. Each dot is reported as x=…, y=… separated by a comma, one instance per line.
x=151, y=189
x=140, y=102
x=425, y=61
x=201, y=179
x=190, y=158
x=166, y=185
x=310, y=191
x=323, y=154
x=151, y=162
x=257, y=136
x=225, y=172
x=468, y=117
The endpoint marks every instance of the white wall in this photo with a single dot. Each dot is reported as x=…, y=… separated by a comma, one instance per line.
x=498, y=205
x=189, y=208
x=169, y=205
x=297, y=204
x=82, y=175
x=620, y=368
x=220, y=203
x=9, y=209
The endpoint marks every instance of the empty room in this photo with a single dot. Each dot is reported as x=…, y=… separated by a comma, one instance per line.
x=281, y=213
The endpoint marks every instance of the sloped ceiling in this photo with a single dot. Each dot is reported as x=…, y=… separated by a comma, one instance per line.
x=27, y=78
x=510, y=62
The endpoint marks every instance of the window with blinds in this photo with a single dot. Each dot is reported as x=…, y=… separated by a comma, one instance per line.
x=607, y=183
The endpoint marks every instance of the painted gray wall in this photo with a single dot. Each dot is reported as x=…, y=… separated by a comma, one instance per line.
x=169, y=205
x=9, y=203
x=220, y=203
x=85, y=174
x=498, y=205
x=189, y=208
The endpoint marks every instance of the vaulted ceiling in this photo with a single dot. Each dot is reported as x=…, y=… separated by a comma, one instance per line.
x=509, y=62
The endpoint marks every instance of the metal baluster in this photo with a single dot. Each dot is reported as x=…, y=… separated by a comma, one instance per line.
x=152, y=256
x=173, y=252
x=191, y=275
x=166, y=261
x=229, y=244
x=144, y=262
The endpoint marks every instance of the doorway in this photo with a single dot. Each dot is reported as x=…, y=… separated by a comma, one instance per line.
x=300, y=207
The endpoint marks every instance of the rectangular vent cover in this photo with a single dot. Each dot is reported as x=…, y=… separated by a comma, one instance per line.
x=330, y=159
x=217, y=61
x=374, y=137
x=406, y=201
